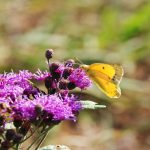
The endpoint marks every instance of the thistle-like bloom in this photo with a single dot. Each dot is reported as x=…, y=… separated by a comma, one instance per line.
x=24, y=105
x=66, y=77
x=12, y=84
x=80, y=79
x=39, y=75
x=18, y=92
x=57, y=108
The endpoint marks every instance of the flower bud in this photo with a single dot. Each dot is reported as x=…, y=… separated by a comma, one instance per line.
x=2, y=119
x=69, y=63
x=48, y=82
x=49, y=54
x=38, y=110
x=47, y=120
x=10, y=133
x=52, y=91
x=44, y=114
x=53, y=67
x=71, y=85
x=5, y=145
x=17, y=121
x=24, y=128
x=63, y=84
x=17, y=138
x=67, y=72
x=55, y=72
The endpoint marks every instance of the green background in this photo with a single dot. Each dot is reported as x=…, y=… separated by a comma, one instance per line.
x=110, y=31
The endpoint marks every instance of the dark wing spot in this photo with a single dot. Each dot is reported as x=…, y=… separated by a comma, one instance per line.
x=103, y=67
x=113, y=79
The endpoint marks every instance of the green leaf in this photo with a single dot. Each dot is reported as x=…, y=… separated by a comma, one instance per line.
x=91, y=105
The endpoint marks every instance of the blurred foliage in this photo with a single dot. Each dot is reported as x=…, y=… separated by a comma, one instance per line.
x=112, y=31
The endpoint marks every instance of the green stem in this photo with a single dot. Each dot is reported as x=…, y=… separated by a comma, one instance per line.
x=39, y=137
x=17, y=147
x=28, y=136
x=36, y=129
x=34, y=141
x=45, y=135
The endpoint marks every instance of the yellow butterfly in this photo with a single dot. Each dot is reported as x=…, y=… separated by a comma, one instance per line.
x=106, y=76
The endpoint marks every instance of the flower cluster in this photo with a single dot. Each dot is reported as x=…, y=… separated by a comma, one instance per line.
x=24, y=105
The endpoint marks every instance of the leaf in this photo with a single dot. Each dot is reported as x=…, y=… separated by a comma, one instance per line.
x=91, y=105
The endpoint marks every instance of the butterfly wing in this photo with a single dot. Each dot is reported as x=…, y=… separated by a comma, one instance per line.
x=109, y=88
x=107, y=78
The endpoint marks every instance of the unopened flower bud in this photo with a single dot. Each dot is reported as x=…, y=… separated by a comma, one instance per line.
x=48, y=118
x=71, y=85
x=67, y=72
x=5, y=145
x=44, y=114
x=2, y=119
x=63, y=84
x=52, y=91
x=55, y=72
x=24, y=128
x=17, y=121
x=38, y=110
x=17, y=138
x=10, y=133
x=49, y=54
x=69, y=63
x=53, y=67
x=48, y=82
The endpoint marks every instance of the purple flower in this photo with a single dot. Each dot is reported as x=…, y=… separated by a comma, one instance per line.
x=23, y=97
x=12, y=84
x=21, y=79
x=39, y=75
x=54, y=105
x=25, y=108
x=25, y=74
x=25, y=105
x=11, y=91
x=73, y=102
x=80, y=79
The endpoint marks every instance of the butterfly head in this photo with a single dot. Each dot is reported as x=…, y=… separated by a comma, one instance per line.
x=84, y=67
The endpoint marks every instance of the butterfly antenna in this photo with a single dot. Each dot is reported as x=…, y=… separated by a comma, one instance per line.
x=79, y=61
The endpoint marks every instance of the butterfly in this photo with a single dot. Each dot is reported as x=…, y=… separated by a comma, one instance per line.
x=106, y=76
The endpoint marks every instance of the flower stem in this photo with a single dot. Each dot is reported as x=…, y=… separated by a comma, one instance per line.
x=34, y=142
x=39, y=137
x=41, y=141
x=17, y=147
